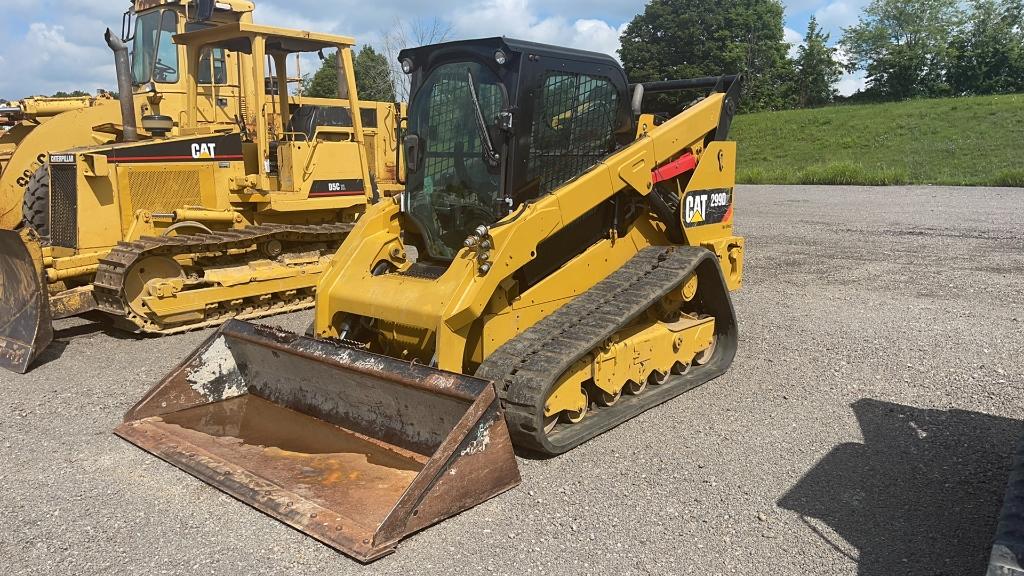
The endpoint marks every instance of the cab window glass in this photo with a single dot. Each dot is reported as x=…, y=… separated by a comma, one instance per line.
x=217, y=69
x=154, y=53
x=212, y=65
x=573, y=128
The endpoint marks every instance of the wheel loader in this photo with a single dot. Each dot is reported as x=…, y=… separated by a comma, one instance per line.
x=557, y=264
x=158, y=85
x=18, y=119
x=174, y=233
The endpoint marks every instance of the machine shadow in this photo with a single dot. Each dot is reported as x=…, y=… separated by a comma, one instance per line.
x=921, y=495
x=62, y=337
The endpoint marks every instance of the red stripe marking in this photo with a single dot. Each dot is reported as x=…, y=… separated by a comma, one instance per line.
x=155, y=158
x=728, y=214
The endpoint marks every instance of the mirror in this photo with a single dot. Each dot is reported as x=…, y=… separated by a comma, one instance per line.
x=126, y=26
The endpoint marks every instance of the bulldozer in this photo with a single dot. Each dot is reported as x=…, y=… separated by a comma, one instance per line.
x=558, y=263
x=172, y=233
x=159, y=73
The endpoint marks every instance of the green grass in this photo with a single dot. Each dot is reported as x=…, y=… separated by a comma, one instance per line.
x=976, y=141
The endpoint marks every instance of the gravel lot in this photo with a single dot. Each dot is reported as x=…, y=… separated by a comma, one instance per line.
x=865, y=428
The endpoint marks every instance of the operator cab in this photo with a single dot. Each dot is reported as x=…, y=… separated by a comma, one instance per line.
x=149, y=27
x=495, y=122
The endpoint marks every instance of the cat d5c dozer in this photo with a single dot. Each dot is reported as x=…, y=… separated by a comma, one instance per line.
x=558, y=264
x=171, y=233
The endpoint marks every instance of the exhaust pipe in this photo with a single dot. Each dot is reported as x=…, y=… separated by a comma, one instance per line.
x=124, y=86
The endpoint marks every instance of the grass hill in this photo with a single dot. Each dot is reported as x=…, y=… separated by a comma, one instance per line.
x=956, y=141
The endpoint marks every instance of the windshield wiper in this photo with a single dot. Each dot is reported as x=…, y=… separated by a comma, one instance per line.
x=490, y=154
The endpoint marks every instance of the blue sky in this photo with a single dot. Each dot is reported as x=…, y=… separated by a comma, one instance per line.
x=51, y=45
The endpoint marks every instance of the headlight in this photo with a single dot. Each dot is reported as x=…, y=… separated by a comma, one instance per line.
x=500, y=57
x=407, y=66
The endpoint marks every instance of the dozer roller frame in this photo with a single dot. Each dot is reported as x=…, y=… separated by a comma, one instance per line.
x=355, y=449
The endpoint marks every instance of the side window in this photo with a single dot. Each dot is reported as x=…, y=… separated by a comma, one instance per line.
x=212, y=65
x=573, y=128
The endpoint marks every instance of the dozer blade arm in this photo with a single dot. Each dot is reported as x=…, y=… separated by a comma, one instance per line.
x=26, y=328
x=354, y=449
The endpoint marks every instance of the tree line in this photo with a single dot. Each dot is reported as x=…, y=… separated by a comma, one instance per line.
x=905, y=48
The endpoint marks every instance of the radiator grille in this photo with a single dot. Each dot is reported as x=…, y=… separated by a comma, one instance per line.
x=64, y=205
x=164, y=190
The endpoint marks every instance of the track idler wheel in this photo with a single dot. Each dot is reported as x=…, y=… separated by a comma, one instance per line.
x=144, y=275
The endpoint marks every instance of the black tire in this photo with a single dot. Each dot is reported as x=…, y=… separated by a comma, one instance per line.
x=35, y=208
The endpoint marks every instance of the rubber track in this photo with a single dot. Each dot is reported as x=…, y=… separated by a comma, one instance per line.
x=527, y=367
x=109, y=281
x=1008, y=552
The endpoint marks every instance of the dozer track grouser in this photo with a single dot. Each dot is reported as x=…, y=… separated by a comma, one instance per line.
x=168, y=233
x=557, y=264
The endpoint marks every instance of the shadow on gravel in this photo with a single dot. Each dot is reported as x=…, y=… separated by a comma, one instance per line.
x=921, y=495
x=68, y=331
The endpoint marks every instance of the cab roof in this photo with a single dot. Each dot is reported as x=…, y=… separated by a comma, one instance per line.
x=238, y=6
x=510, y=45
x=238, y=37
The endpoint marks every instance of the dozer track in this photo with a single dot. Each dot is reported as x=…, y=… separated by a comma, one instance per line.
x=527, y=367
x=109, y=284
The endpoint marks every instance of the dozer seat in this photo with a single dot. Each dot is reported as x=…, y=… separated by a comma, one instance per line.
x=305, y=119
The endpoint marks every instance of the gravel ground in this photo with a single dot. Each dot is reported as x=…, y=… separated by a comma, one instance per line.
x=865, y=428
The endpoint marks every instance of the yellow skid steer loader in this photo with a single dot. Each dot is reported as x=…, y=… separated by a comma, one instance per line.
x=558, y=264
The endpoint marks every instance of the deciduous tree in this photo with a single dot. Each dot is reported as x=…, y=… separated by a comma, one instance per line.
x=688, y=38
x=817, y=70
x=903, y=46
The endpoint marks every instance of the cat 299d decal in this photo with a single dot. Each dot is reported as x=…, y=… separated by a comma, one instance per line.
x=702, y=207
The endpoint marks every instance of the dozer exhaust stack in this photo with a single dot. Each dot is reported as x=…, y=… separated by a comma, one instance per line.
x=122, y=67
x=26, y=328
x=354, y=449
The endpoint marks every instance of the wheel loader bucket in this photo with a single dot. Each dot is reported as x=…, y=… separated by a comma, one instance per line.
x=354, y=449
x=26, y=328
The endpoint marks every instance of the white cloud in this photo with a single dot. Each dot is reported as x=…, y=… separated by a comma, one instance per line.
x=839, y=14
x=794, y=39
x=271, y=15
x=851, y=83
x=45, y=60
x=519, y=19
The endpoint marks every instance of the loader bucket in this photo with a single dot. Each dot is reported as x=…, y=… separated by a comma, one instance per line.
x=354, y=449
x=25, y=325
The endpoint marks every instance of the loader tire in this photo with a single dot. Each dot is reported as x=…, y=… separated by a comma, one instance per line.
x=35, y=208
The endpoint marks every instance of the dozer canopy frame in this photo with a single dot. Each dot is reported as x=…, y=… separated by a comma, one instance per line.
x=266, y=45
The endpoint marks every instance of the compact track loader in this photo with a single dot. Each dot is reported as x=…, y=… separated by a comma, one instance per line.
x=172, y=233
x=558, y=263
x=159, y=73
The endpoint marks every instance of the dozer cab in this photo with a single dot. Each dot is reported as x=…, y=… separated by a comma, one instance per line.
x=557, y=264
x=171, y=233
x=158, y=80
